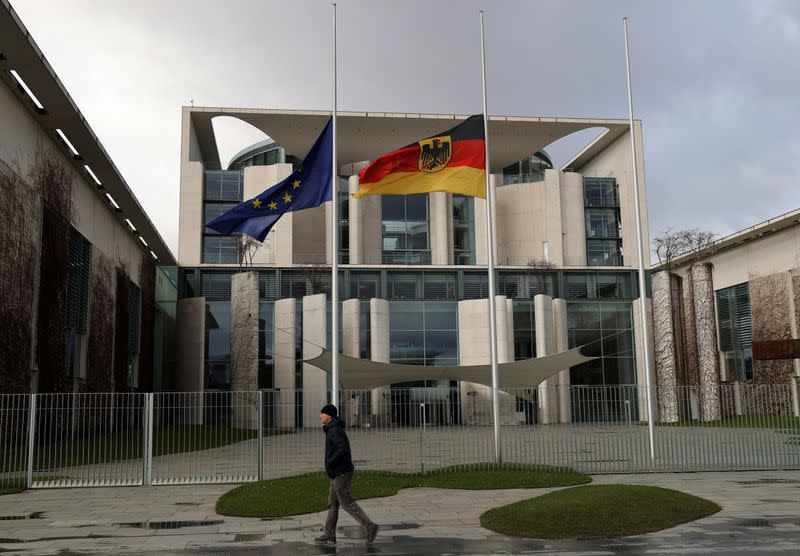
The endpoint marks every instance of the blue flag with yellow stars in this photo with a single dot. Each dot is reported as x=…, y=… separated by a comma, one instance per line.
x=307, y=187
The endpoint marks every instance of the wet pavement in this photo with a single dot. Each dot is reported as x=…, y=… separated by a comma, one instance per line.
x=761, y=514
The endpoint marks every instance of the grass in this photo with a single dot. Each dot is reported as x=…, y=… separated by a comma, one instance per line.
x=598, y=511
x=779, y=422
x=123, y=445
x=10, y=490
x=309, y=493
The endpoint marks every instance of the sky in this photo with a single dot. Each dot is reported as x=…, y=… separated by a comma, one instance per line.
x=714, y=82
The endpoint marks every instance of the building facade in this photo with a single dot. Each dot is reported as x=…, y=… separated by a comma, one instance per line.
x=711, y=305
x=81, y=279
x=413, y=282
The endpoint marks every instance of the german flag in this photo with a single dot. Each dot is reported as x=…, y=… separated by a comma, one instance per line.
x=453, y=161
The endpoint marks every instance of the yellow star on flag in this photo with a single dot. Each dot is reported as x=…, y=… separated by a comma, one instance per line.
x=257, y=203
x=287, y=198
x=296, y=184
x=272, y=205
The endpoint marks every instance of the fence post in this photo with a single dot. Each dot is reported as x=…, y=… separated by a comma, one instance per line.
x=260, y=425
x=630, y=433
x=737, y=398
x=795, y=400
x=421, y=437
x=31, y=440
x=147, y=437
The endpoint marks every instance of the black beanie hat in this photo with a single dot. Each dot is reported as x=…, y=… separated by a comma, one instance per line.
x=329, y=410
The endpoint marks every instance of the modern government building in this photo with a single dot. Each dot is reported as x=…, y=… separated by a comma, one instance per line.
x=93, y=300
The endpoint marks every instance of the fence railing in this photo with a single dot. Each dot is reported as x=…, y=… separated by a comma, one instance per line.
x=105, y=439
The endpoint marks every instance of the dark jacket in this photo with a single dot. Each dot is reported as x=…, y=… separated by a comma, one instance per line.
x=337, y=449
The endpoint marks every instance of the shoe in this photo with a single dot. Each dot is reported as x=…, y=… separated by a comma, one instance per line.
x=372, y=531
x=325, y=538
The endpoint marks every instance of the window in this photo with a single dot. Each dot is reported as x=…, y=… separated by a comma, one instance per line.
x=405, y=224
x=77, y=302
x=735, y=331
x=223, y=190
x=463, y=230
x=603, y=223
x=524, y=330
x=344, y=221
x=606, y=329
x=134, y=303
x=423, y=333
x=218, y=344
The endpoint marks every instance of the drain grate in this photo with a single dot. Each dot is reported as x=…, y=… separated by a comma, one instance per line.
x=754, y=523
x=770, y=482
x=32, y=515
x=245, y=537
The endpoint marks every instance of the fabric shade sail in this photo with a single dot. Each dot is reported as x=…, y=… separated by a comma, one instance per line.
x=363, y=374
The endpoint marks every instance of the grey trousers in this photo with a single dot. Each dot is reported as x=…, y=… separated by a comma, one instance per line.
x=339, y=495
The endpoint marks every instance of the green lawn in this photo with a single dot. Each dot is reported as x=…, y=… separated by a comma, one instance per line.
x=779, y=422
x=122, y=445
x=9, y=490
x=598, y=511
x=309, y=493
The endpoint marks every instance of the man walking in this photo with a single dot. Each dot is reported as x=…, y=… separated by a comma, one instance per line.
x=339, y=467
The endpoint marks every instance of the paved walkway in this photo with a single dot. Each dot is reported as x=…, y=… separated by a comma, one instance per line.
x=761, y=512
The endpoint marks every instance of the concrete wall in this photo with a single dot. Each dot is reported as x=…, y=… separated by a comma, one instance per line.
x=190, y=214
x=573, y=219
x=190, y=352
x=379, y=351
x=285, y=322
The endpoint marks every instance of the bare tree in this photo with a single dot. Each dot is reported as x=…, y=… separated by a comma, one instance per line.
x=671, y=244
x=541, y=269
x=247, y=247
x=314, y=274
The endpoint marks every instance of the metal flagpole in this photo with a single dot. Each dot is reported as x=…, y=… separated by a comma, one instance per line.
x=640, y=248
x=490, y=251
x=334, y=242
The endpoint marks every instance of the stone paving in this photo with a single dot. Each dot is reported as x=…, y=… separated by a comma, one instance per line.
x=761, y=513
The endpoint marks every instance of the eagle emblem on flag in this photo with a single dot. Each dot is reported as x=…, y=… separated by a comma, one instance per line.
x=434, y=153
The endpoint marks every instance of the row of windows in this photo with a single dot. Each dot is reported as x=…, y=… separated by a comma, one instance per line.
x=415, y=284
x=426, y=333
x=603, y=222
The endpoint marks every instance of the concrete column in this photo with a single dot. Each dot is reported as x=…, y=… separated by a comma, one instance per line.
x=638, y=335
x=545, y=345
x=479, y=216
x=371, y=230
x=354, y=208
x=561, y=341
x=665, y=356
x=510, y=328
x=315, y=387
x=285, y=323
x=573, y=219
x=440, y=249
x=706, y=326
x=244, y=347
x=379, y=351
x=555, y=236
x=351, y=346
x=191, y=338
x=474, y=349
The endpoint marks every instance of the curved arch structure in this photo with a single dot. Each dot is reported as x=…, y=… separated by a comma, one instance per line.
x=363, y=374
x=366, y=135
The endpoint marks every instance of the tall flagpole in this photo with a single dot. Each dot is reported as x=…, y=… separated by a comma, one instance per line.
x=640, y=248
x=334, y=242
x=490, y=250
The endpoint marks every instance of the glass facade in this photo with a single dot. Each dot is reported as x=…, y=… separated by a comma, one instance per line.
x=344, y=221
x=463, y=230
x=735, y=327
x=222, y=190
x=528, y=170
x=405, y=224
x=77, y=302
x=603, y=222
x=424, y=314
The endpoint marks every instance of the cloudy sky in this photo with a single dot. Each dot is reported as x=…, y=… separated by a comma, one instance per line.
x=715, y=82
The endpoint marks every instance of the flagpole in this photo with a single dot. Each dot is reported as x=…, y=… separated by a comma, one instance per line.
x=334, y=242
x=640, y=248
x=490, y=251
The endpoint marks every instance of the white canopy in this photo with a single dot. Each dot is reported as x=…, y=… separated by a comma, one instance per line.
x=363, y=374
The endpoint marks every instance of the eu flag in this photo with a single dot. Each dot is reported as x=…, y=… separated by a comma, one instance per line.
x=307, y=187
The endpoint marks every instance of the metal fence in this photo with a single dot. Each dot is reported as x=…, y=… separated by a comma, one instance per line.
x=63, y=440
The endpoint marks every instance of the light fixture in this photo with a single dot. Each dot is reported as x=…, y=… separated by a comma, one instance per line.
x=92, y=174
x=154, y=255
x=130, y=225
x=27, y=90
x=143, y=241
x=113, y=202
x=68, y=143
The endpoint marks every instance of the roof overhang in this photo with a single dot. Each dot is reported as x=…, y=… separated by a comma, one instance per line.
x=363, y=374
x=363, y=136
x=23, y=55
